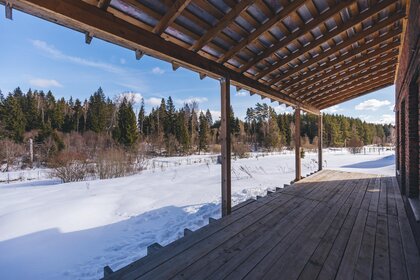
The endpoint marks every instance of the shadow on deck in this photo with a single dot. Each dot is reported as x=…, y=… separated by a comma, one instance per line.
x=332, y=225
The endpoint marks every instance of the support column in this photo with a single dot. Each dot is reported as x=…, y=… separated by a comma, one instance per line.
x=320, y=130
x=297, y=145
x=226, y=150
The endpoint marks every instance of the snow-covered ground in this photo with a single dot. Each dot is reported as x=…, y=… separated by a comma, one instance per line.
x=50, y=230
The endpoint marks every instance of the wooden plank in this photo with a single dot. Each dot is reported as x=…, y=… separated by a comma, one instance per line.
x=244, y=243
x=221, y=24
x=82, y=16
x=226, y=148
x=411, y=253
x=318, y=19
x=328, y=36
x=302, y=249
x=352, y=83
x=365, y=90
x=298, y=163
x=171, y=14
x=207, y=238
x=348, y=263
x=320, y=140
x=261, y=29
x=317, y=259
x=332, y=263
x=359, y=36
x=223, y=254
x=353, y=53
x=340, y=70
x=381, y=259
x=260, y=249
x=336, y=79
x=255, y=209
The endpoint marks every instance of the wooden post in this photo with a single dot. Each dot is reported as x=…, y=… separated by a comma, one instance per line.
x=225, y=141
x=297, y=145
x=320, y=129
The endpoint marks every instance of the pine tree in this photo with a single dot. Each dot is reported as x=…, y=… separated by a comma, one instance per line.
x=141, y=117
x=96, y=119
x=203, y=134
x=14, y=118
x=126, y=132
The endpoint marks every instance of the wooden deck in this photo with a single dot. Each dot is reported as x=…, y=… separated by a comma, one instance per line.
x=332, y=225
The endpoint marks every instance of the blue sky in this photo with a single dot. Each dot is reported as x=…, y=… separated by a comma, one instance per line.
x=40, y=55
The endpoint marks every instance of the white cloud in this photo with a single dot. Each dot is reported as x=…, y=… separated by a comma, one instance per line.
x=372, y=104
x=154, y=101
x=44, y=83
x=392, y=107
x=280, y=109
x=241, y=93
x=190, y=100
x=332, y=109
x=57, y=54
x=133, y=97
x=386, y=119
x=158, y=71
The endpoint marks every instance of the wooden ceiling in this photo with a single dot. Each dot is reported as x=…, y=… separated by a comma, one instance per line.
x=311, y=54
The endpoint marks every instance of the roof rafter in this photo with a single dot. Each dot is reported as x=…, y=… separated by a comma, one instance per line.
x=352, y=84
x=331, y=65
x=342, y=58
x=104, y=4
x=378, y=57
x=173, y=12
x=330, y=35
x=353, y=74
x=261, y=29
x=222, y=24
x=363, y=91
x=84, y=17
x=359, y=36
x=319, y=19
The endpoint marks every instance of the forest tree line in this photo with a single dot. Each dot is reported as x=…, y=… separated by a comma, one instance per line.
x=57, y=124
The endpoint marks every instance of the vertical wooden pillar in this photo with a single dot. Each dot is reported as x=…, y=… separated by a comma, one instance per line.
x=297, y=145
x=225, y=141
x=320, y=129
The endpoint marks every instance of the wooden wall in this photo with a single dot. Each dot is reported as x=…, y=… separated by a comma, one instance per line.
x=407, y=107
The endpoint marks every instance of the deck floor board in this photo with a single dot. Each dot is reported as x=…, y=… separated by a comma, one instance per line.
x=331, y=225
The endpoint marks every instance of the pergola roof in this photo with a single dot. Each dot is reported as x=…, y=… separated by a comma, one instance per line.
x=308, y=54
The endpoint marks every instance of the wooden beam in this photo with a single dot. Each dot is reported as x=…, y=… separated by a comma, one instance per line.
x=374, y=57
x=173, y=12
x=175, y=66
x=298, y=164
x=318, y=19
x=202, y=76
x=349, y=74
x=221, y=24
x=139, y=54
x=8, y=10
x=104, y=4
x=320, y=134
x=378, y=86
x=329, y=64
x=331, y=34
x=358, y=89
x=351, y=83
x=262, y=29
x=82, y=16
x=359, y=36
x=88, y=38
x=362, y=89
x=226, y=149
